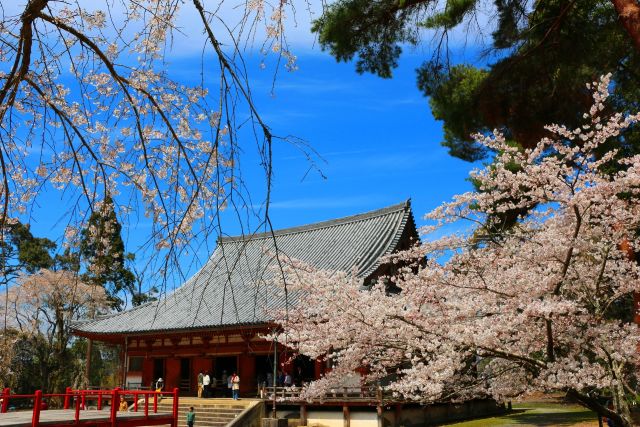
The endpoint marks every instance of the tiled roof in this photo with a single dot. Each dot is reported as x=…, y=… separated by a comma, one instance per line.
x=233, y=287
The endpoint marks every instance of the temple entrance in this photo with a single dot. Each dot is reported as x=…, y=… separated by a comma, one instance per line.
x=224, y=367
x=185, y=374
x=303, y=370
x=158, y=371
x=228, y=364
x=264, y=368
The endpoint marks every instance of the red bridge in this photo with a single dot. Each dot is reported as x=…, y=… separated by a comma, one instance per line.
x=112, y=409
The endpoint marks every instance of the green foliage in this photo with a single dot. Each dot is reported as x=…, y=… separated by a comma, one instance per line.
x=40, y=364
x=105, y=362
x=22, y=252
x=102, y=247
x=453, y=14
x=452, y=96
x=543, y=53
x=374, y=30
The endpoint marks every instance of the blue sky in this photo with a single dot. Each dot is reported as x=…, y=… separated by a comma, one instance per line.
x=376, y=138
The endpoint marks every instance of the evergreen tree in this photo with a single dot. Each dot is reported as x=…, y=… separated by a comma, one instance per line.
x=21, y=252
x=542, y=52
x=102, y=247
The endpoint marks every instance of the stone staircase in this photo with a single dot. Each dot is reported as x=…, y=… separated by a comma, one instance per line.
x=209, y=412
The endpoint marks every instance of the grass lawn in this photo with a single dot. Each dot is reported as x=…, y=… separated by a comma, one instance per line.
x=533, y=414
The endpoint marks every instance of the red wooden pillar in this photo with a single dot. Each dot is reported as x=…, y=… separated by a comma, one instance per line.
x=318, y=367
x=115, y=404
x=37, y=402
x=247, y=373
x=172, y=373
x=67, y=397
x=77, y=413
x=175, y=407
x=5, y=400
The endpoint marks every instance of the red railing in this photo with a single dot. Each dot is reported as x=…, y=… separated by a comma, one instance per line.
x=80, y=398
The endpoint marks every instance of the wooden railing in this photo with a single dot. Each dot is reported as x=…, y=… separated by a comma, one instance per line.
x=363, y=393
x=78, y=400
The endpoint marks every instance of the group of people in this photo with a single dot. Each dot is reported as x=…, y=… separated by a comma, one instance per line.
x=283, y=379
x=207, y=384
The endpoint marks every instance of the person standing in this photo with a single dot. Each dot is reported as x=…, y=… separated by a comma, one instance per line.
x=288, y=381
x=235, y=386
x=206, y=381
x=191, y=417
x=200, y=383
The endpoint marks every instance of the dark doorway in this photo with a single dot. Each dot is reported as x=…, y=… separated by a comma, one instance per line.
x=264, y=368
x=303, y=369
x=228, y=364
x=158, y=371
x=225, y=366
x=185, y=374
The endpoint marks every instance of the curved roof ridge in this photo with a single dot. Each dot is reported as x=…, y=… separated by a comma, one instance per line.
x=392, y=244
x=319, y=225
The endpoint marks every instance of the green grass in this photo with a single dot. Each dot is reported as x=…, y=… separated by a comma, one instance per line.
x=536, y=414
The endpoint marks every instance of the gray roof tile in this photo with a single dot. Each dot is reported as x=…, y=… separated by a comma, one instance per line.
x=234, y=288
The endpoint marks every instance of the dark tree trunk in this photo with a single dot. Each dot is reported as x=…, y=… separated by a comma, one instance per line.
x=629, y=14
x=599, y=408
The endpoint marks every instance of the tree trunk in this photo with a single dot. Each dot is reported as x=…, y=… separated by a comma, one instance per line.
x=623, y=420
x=629, y=14
x=87, y=366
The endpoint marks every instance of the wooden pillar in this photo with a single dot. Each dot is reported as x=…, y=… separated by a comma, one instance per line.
x=318, y=368
x=346, y=415
x=37, y=402
x=303, y=414
x=175, y=407
x=87, y=366
x=247, y=373
x=397, y=416
x=379, y=413
x=123, y=373
x=172, y=373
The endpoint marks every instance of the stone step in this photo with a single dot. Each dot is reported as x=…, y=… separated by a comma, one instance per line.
x=215, y=417
x=204, y=410
x=208, y=413
x=206, y=424
x=195, y=405
x=204, y=405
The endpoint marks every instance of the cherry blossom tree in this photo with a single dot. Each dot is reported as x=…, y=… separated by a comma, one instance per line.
x=89, y=106
x=40, y=310
x=543, y=305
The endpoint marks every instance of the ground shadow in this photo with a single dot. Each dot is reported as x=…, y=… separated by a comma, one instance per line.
x=531, y=416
